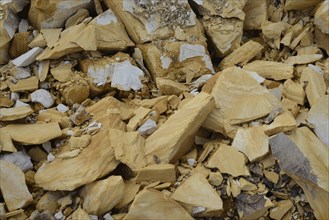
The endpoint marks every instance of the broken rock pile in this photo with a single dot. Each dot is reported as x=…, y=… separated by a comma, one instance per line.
x=176, y=109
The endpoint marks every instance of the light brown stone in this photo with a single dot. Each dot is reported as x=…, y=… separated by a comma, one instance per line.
x=101, y=196
x=157, y=172
x=13, y=186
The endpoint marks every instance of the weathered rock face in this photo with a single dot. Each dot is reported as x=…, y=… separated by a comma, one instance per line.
x=53, y=14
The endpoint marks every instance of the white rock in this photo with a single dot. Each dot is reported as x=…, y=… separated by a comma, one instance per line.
x=106, y=18
x=198, y=209
x=42, y=96
x=20, y=159
x=126, y=76
x=19, y=103
x=191, y=162
x=148, y=127
x=254, y=75
x=93, y=217
x=201, y=81
x=23, y=26
x=165, y=61
x=190, y=50
x=62, y=108
x=21, y=73
x=14, y=96
x=101, y=74
x=28, y=57
x=50, y=157
x=59, y=215
x=108, y=216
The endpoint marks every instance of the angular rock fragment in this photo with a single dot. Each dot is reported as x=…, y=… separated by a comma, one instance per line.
x=28, y=134
x=128, y=148
x=101, y=196
x=303, y=59
x=236, y=94
x=319, y=117
x=19, y=44
x=270, y=69
x=148, y=127
x=13, y=186
x=170, y=87
x=77, y=18
x=157, y=172
x=294, y=91
x=28, y=57
x=252, y=206
x=241, y=55
x=252, y=141
x=281, y=209
x=168, y=146
x=197, y=192
x=315, y=85
x=53, y=14
x=256, y=13
x=151, y=204
x=11, y=114
x=6, y=142
x=229, y=160
x=94, y=161
x=24, y=85
x=51, y=36
x=304, y=157
x=19, y=159
x=43, y=97
x=282, y=123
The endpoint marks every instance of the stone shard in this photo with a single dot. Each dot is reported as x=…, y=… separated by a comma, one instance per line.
x=294, y=91
x=6, y=142
x=256, y=13
x=101, y=196
x=319, y=117
x=49, y=202
x=236, y=94
x=315, y=84
x=151, y=204
x=170, y=87
x=128, y=148
x=252, y=141
x=19, y=159
x=241, y=55
x=197, y=192
x=229, y=160
x=28, y=134
x=28, y=57
x=11, y=114
x=94, y=161
x=53, y=14
x=157, y=172
x=282, y=123
x=305, y=158
x=271, y=70
x=13, y=186
x=168, y=146
x=51, y=36
x=252, y=206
